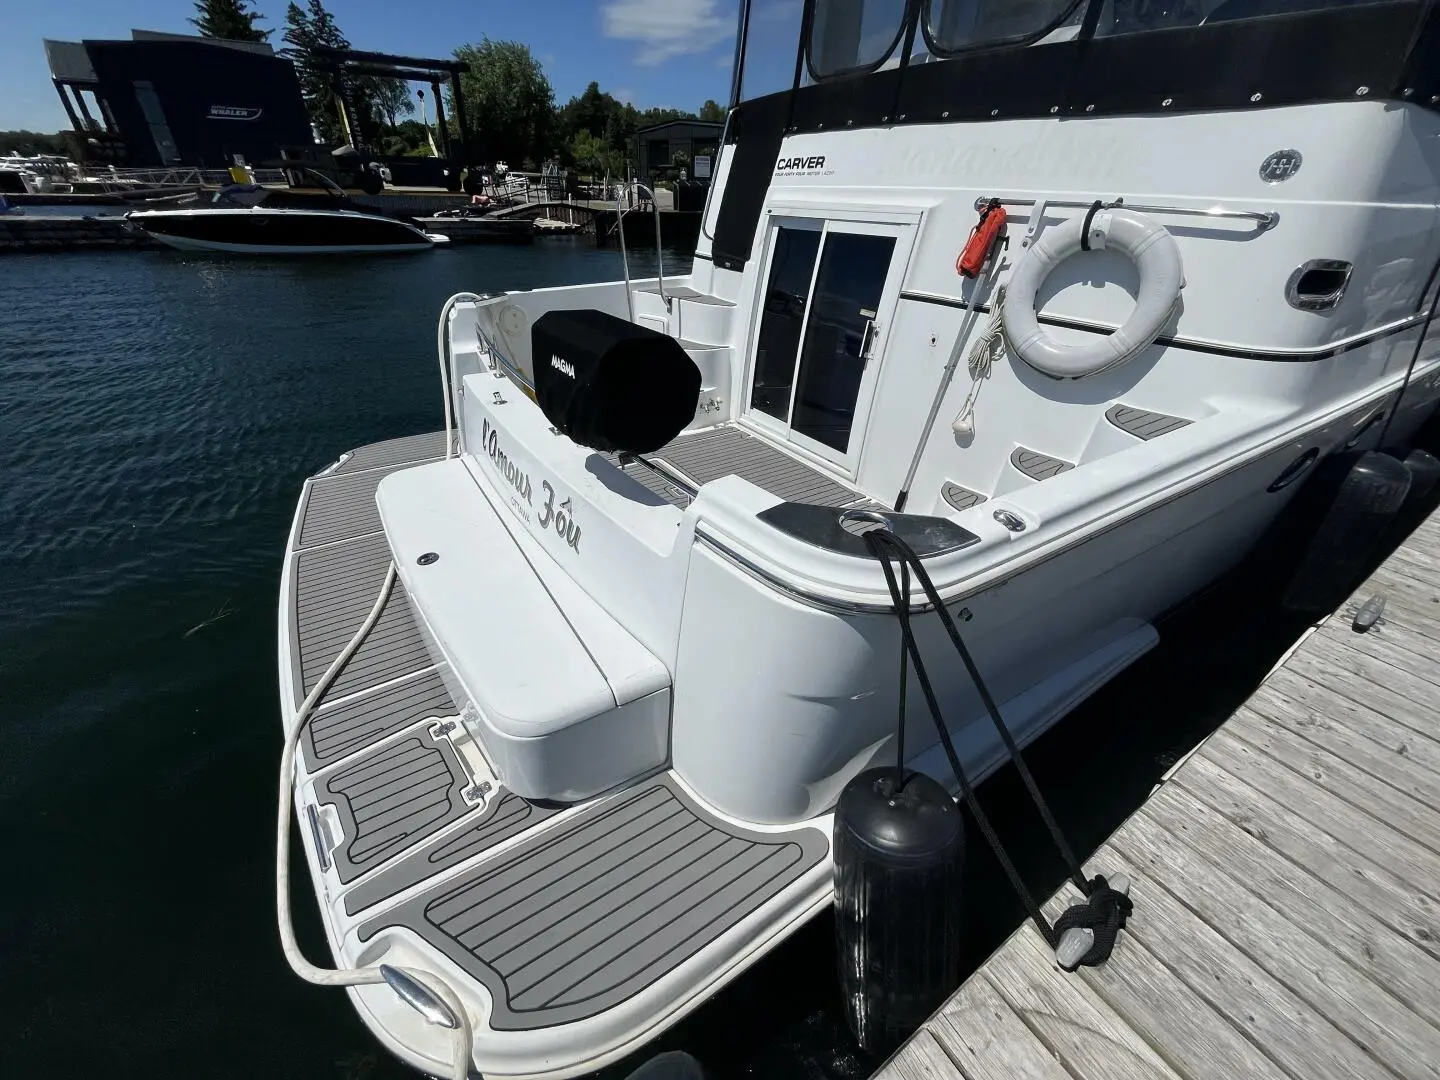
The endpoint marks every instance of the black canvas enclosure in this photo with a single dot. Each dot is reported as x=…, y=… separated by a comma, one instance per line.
x=609, y=384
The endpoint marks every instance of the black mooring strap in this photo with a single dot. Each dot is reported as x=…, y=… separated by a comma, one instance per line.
x=901, y=599
x=1052, y=826
x=1103, y=913
x=1095, y=208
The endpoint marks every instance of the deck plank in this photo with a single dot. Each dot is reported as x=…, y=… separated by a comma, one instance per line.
x=409, y=450
x=1298, y=1038
x=1163, y=1010
x=335, y=588
x=1286, y=881
x=921, y=1058
x=1379, y=684
x=1315, y=784
x=1307, y=899
x=1409, y=600
x=989, y=1041
x=1395, y=646
x=342, y=507
x=1088, y=1036
x=1391, y=899
x=1371, y=742
x=1343, y=992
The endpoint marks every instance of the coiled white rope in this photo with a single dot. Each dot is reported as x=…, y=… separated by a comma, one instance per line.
x=981, y=359
x=462, y=1036
x=442, y=350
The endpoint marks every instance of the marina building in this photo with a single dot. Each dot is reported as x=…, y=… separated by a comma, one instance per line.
x=171, y=99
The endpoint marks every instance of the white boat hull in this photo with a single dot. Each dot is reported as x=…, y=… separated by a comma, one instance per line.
x=180, y=243
x=266, y=230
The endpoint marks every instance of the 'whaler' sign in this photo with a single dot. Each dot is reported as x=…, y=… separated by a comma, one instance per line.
x=233, y=112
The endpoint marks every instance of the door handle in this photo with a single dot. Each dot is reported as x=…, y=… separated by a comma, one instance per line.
x=867, y=339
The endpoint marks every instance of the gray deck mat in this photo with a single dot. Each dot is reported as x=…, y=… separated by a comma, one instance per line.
x=409, y=450
x=1142, y=424
x=342, y=507
x=505, y=815
x=1038, y=466
x=586, y=914
x=684, y=292
x=726, y=451
x=392, y=798
x=648, y=478
x=342, y=730
x=961, y=498
x=335, y=588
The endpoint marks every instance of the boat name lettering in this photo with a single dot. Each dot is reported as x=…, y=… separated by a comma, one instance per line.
x=564, y=524
x=515, y=476
x=789, y=164
x=565, y=367
x=561, y=518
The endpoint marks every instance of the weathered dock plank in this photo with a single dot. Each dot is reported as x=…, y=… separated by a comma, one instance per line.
x=1387, y=898
x=1286, y=881
x=1306, y=899
x=1345, y=991
x=988, y=1040
x=1075, y=1022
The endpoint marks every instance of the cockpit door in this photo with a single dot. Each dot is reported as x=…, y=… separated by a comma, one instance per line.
x=830, y=289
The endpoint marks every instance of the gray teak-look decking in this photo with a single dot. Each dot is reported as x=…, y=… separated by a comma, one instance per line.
x=1286, y=881
x=570, y=920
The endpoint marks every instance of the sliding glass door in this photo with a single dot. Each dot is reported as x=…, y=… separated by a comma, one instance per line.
x=830, y=286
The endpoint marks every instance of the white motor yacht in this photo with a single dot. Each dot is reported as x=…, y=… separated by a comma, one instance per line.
x=1072, y=296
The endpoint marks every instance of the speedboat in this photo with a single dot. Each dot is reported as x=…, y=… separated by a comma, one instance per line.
x=1072, y=297
x=253, y=220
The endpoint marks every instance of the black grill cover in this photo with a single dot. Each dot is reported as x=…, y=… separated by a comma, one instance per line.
x=609, y=384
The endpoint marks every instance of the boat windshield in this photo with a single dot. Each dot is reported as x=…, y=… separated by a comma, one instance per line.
x=780, y=49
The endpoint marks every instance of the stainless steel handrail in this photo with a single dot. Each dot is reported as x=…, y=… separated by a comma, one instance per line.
x=620, y=213
x=1265, y=219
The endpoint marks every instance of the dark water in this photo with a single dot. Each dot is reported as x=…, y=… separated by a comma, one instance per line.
x=158, y=413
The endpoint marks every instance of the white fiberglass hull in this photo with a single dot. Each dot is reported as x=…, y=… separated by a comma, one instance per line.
x=262, y=230
x=180, y=243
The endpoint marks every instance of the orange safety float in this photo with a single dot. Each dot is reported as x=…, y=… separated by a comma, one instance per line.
x=982, y=238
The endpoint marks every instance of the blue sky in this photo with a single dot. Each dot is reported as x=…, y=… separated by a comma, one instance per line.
x=649, y=52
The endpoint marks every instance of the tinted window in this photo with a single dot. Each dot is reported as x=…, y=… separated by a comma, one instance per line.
x=847, y=295
x=771, y=40
x=853, y=35
x=783, y=314
x=1138, y=16
x=952, y=25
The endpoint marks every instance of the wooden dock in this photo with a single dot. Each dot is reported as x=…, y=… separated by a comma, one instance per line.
x=38, y=232
x=1286, y=881
x=480, y=230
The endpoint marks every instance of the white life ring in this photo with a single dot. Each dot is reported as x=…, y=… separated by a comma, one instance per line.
x=1149, y=246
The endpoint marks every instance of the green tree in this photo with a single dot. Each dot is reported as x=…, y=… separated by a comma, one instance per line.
x=509, y=103
x=416, y=137
x=713, y=112
x=307, y=29
x=31, y=143
x=392, y=98
x=587, y=151
x=229, y=19
x=591, y=112
x=595, y=155
x=652, y=117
